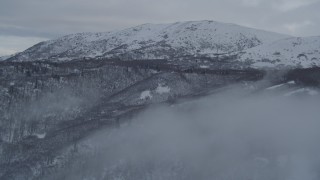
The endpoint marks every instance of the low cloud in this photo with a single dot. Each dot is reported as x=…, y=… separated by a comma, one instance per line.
x=296, y=27
x=288, y=5
x=225, y=136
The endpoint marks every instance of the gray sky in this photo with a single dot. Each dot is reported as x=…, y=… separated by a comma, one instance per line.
x=26, y=22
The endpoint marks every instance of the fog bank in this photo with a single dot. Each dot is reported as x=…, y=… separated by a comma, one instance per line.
x=224, y=136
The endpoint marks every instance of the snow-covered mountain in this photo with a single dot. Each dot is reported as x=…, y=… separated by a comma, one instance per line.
x=299, y=52
x=193, y=38
x=152, y=41
x=2, y=58
x=59, y=119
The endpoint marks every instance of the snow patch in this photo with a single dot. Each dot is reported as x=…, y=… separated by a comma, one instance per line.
x=274, y=87
x=146, y=95
x=162, y=89
x=40, y=136
x=204, y=66
x=303, y=90
x=291, y=82
x=280, y=85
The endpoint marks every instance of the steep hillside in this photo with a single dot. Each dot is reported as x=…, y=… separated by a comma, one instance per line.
x=152, y=41
x=46, y=107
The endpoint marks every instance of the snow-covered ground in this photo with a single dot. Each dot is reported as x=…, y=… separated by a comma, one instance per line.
x=152, y=41
x=146, y=95
x=280, y=85
x=302, y=52
x=40, y=136
x=162, y=89
x=192, y=38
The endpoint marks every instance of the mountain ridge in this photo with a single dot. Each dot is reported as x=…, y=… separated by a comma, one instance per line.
x=152, y=41
x=296, y=51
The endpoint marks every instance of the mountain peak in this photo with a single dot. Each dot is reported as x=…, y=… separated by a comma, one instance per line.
x=152, y=41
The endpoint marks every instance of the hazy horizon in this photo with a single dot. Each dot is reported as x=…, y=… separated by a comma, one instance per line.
x=25, y=23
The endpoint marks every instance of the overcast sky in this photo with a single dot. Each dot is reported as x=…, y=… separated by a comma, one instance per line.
x=26, y=22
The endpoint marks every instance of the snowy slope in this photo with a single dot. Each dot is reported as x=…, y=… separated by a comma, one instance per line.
x=301, y=52
x=152, y=41
x=2, y=58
